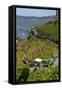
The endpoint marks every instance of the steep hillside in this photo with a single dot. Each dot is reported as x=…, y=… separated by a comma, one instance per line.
x=50, y=30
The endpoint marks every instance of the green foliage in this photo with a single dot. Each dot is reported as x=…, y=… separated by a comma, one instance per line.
x=50, y=30
x=23, y=75
x=38, y=48
x=34, y=49
x=50, y=73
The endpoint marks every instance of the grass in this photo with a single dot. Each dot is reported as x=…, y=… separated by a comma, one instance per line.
x=51, y=30
x=50, y=73
x=37, y=48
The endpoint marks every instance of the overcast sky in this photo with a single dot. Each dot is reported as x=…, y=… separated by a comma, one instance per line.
x=34, y=12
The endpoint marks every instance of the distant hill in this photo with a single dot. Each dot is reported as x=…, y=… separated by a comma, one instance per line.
x=26, y=22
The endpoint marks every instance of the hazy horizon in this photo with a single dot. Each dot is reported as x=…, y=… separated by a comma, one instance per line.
x=34, y=12
x=35, y=16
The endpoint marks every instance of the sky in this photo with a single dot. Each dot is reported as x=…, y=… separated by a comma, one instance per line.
x=34, y=12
